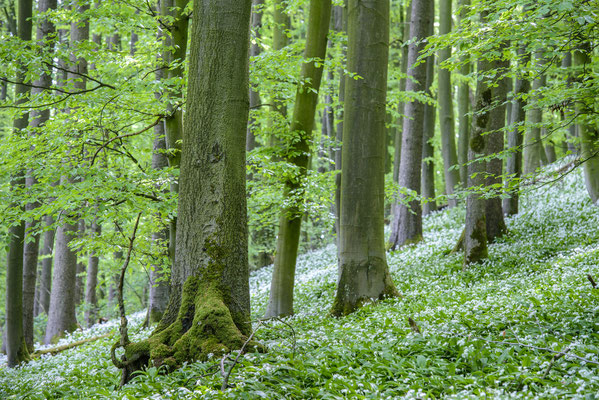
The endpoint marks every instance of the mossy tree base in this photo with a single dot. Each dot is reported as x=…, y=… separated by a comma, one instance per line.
x=204, y=325
x=360, y=284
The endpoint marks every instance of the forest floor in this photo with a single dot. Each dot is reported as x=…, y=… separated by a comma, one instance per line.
x=524, y=324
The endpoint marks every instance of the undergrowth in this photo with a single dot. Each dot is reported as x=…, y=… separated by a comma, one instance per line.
x=498, y=329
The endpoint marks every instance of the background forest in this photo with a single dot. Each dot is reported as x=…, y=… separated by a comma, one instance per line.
x=426, y=171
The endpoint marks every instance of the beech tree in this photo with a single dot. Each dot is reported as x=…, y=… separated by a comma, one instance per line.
x=363, y=271
x=208, y=311
x=298, y=154
x=407, y=222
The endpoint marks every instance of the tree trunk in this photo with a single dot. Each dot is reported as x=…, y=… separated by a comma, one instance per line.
x=255, y=49
x=567, y=115
x=61, y=315
x=91, y=298
x=209, y=309
x=407, y=222
x=589, y=136
x=80, y=281
x=340, y=17
x=281, y=289
x=45, y=283
x=464, y=121
x=516, y=139
x=429, y=204
x=16, y=347
x=495, y=143
x=363, y=271
x=533, y=145
x=446, y=120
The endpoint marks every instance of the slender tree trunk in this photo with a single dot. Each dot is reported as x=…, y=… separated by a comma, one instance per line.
x=429, y=204
x=407, y=223
x=177, y=40
x=281, y=290
x=255, y=50
x=446, y=120
x=568, y=114
x=91, y=298
x=533, y=146
x=209, y=310
x=589, y=136
x=516, y=139
x=340, y=16
x=16, y=347
x=406, y=16
x=464, y=120
x=80, y=281
x=363, y=271
x=495, y=143
x=45, y=283
x=61, y=315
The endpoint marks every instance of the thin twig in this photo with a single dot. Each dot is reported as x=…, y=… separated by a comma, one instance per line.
x=226, y=377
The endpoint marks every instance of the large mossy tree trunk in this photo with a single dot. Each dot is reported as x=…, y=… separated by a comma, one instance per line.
x=281, y=290
x=209, y=306
x=407, y=222
x=516, y=138
x=363, y=270
x=446, y=119
x=16, y=348
x=589, y=135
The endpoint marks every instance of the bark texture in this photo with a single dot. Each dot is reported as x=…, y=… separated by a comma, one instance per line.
x=464, y=120
x=407, y=221
x=45, y=281
x=281, y=290
x=495, y=143
x=363, y=271
x=533, y=146
x=91, y=283
x=446, y=119
x=429, y=203
x=209, y=307
x=516, y=139
x=16, y=347
x=255, y=49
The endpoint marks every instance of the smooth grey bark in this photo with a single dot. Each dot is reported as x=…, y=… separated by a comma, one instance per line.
x=91, y=284
x=281, y=290
x=407, y=222
x=516, y=139
x=209, y=310
x=16, y=348
x=495, y=144
x=429, y=204
x=61, y=314
x=589, y=135
x=405, y=16
x=464, y=120
x=45, y=37
x=177, y=41
x=549, y=148
x=45, y=281
x=340, y=18
x=159, y=284
x=255, y=50
x=446, y=119
x=567, y=114
x=363, y=271
x=80, y=281
x=533, y=146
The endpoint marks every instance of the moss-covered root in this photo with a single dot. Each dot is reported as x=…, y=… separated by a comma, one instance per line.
x=203, y=326
x=362, y=283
